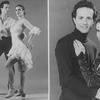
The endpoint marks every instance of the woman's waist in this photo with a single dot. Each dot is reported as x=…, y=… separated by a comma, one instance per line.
x=17, y=41
x=18, y=36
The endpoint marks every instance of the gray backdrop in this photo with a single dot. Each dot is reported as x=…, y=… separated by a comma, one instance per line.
x=60, y=25
x=37, y=78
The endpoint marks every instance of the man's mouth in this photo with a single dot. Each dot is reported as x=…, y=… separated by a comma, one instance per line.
x=84, y=27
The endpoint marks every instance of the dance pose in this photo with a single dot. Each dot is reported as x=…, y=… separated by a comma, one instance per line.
x=19, y=51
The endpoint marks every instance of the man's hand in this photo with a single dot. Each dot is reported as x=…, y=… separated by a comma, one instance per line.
x=78, y=46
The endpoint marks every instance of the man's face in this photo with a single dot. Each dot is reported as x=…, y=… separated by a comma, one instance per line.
x=84, y=19
x=5, y=8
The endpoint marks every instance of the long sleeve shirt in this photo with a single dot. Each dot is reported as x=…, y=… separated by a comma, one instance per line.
x=91, y=73
x=69, y=70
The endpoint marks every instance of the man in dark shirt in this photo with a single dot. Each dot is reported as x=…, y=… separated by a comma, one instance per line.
x=73, y=84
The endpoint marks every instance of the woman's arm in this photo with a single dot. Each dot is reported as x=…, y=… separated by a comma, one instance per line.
x=89, y=72
x=33, y=31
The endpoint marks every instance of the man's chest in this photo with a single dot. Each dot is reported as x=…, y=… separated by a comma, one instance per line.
x=5, y=24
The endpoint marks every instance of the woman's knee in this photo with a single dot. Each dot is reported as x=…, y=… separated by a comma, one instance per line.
x=22, y=68
x=22, y=72
x=8, y=66
x=10, y=62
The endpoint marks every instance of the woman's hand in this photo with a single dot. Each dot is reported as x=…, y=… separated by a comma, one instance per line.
x=35, y=31
x=78, y=46
x=30, y=43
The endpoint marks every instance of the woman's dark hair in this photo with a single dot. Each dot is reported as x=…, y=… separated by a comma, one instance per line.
x=84, y=3
x=23, y=8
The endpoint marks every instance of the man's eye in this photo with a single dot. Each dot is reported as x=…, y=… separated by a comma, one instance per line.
x=80, y=17
x=89, y=18
x=7, y=7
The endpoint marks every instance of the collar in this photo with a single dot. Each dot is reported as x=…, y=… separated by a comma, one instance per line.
x=82, y=37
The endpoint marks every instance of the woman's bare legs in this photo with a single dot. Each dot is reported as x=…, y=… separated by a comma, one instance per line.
x=12, y=69
x=9, y=64
x=22, y=79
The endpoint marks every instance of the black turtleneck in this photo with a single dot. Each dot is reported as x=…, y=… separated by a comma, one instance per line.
x=82, y=37
x=69, y=69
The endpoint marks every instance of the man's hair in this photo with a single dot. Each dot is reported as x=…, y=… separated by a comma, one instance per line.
x=4, y=2
x=23, y=8
x=84, y=3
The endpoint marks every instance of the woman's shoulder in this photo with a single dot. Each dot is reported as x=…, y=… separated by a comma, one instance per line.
x=91, y=43
x=25, y=20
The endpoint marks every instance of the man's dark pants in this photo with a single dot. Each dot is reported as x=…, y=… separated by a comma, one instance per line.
x=5, y=46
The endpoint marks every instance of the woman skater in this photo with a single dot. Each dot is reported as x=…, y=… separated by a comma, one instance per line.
x=19, y=51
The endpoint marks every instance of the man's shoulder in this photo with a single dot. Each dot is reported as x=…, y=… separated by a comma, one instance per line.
x=65, y=39
x=65, y=42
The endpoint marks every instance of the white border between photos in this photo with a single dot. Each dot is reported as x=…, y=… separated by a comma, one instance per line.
x=48, y=50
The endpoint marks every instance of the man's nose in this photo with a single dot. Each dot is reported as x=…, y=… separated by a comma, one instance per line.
x=84, y=21
x=7, y=9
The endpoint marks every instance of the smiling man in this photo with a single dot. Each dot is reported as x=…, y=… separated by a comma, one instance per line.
x=84, y=19
x=73, y=84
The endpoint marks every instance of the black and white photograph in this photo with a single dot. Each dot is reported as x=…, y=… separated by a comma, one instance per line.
x=74, y=49
x=23, y=50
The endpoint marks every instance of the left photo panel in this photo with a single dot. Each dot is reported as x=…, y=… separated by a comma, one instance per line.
x=24, y=49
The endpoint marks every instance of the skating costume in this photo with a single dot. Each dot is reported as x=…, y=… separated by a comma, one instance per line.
x=19, y=49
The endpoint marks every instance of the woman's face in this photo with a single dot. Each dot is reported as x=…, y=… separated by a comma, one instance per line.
x=98, y=30
x=19, y=11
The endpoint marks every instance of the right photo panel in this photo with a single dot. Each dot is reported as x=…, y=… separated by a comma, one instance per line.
x=74, y=49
